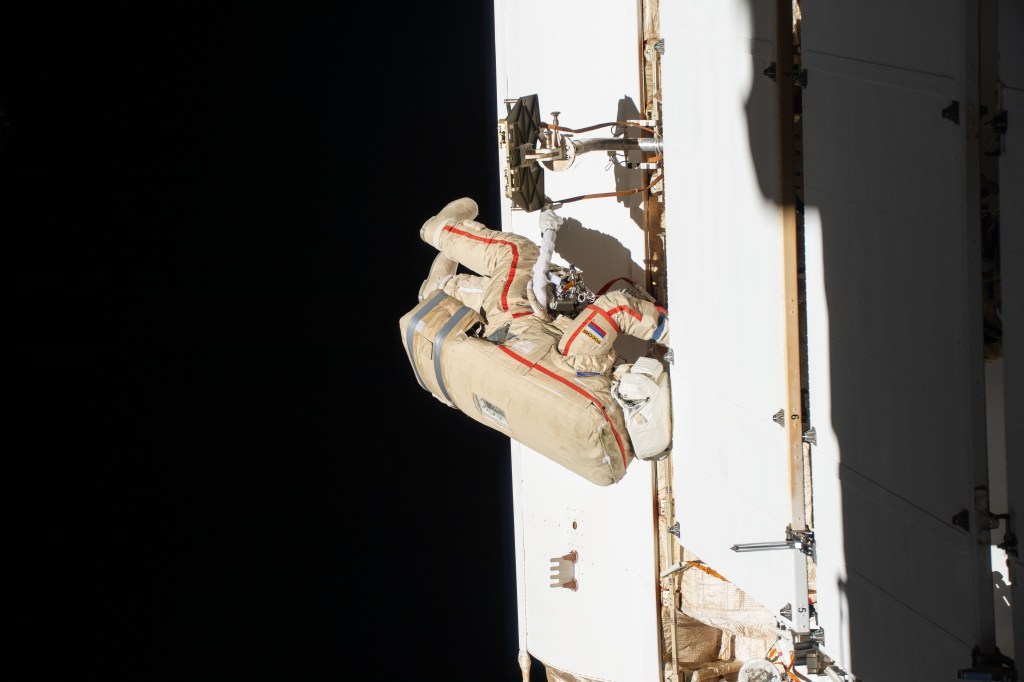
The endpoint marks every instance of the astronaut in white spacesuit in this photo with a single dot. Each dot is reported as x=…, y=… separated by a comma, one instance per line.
x=526, y=361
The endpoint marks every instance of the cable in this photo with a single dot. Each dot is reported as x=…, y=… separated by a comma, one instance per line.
x=604, y=289
x=611, y=194
x=707, y=569
x=595, y=127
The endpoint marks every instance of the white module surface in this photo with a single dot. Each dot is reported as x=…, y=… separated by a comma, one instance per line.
x=582, y=59
x=893, y=327
x=727, y=295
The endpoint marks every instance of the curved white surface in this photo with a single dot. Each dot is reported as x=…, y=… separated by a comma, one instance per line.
x=583, y=59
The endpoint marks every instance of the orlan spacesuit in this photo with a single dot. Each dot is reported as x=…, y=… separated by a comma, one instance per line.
x=488, y=344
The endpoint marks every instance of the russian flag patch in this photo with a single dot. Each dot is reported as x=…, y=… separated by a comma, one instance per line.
x=594, y=328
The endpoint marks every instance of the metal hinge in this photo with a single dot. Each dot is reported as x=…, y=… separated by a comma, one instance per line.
x=799, y=75
x=952, y=112
x=990, y=521
x=780, y=417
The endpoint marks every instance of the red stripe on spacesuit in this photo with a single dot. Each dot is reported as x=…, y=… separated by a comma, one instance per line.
x=568, y=344
x=616, y=311
x=618, y=439
x=499, y=242
x=594, y=312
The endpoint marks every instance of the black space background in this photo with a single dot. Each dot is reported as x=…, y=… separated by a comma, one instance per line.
x=226, y=469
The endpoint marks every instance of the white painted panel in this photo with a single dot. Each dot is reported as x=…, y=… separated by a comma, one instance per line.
x=607, y=628
x=893, y=327
x=917, y=37
x=1011, y=209
x=582, y=59
x=726, y=294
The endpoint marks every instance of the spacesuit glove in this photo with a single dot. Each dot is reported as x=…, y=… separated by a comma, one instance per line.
x=549, y=220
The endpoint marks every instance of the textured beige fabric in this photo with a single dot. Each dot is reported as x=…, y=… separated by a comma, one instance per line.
x=479, y=344
x=721, y=604
x=696, y=643
x=505, y=257
x=523, y=388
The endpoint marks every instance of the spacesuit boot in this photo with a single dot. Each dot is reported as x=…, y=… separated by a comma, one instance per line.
x=454, y=212
x=441, y=270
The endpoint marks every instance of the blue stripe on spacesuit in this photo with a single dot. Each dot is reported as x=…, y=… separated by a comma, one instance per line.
x=661, y=326
x=439, y=341
x=410, y=332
